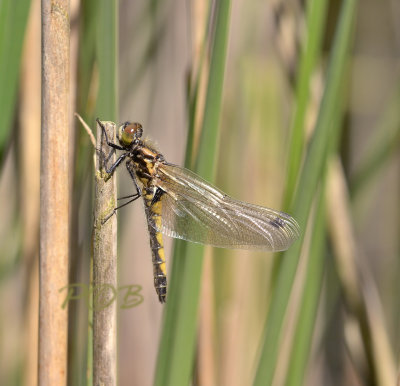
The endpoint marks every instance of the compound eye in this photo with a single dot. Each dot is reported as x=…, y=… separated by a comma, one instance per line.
x=128, y=132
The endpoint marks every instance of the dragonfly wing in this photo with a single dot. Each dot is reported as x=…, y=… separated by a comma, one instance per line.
x=194, y=210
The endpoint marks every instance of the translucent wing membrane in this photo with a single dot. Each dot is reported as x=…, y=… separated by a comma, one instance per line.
x=196, y=211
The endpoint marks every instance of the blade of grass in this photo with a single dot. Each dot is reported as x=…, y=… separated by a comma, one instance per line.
x=79, y=366
x=13, y=19
x=177, y=346
x=196, y=91
x=54, y=193
x=107, y=55
x=316, y=16
x=309, y=302
x=86, y=77
x=312, y=286
x=313, y=166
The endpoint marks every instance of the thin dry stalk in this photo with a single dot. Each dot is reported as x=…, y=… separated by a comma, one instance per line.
x=358, y=284
x=104, y=267
x=87, y=129
x=54, y=193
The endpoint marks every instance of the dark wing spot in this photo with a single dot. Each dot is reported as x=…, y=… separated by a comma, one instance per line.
x=277, y=222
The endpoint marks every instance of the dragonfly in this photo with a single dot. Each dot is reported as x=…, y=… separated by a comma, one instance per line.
x=180, y=204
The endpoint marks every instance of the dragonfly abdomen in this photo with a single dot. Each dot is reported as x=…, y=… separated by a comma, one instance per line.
x=153, y=213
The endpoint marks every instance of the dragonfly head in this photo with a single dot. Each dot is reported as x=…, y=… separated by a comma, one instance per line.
x=129, y=133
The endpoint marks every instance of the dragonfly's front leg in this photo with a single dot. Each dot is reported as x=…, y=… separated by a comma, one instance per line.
x=105, y=160
x=109, y=143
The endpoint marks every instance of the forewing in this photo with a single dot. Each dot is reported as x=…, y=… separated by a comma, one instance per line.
x=194, y=210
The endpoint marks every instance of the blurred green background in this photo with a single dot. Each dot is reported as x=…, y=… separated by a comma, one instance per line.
x=340, y=323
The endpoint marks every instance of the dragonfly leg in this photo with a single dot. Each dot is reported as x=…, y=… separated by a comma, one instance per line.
x=131, y=172
x=134, y=198
x=109, y=143
x=111, y=169
x=129, y=196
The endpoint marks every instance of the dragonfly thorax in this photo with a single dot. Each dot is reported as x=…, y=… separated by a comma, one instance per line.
x=145, y=162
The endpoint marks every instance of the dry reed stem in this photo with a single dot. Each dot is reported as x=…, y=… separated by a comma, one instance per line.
x=54, y=193
x=359, y=288
x=104, y=268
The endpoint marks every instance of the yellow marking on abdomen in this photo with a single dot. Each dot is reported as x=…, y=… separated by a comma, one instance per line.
x=157, y=221
x=159, y=239
x=156, y=208
x=148, y=198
